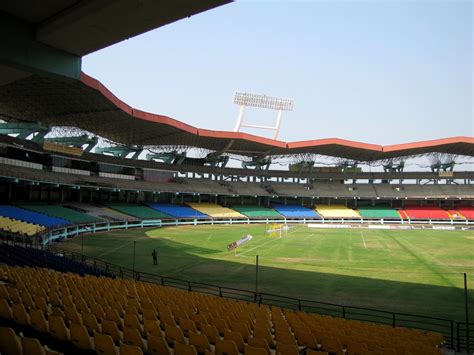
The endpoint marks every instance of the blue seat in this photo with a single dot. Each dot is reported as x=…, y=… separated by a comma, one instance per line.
x=177, y=211
x=295, y=211
x=32, y=217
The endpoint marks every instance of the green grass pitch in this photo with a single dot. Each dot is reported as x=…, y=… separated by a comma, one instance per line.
x=412, y=271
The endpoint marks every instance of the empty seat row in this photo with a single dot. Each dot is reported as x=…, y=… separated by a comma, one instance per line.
x=96, y=312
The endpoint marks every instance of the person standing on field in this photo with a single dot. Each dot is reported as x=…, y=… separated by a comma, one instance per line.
x=154, y=254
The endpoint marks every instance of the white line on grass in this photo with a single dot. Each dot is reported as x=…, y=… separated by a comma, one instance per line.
x=362, y=235
x=272, y=240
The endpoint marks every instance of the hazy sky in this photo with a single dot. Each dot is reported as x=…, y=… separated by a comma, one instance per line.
x=383, y=72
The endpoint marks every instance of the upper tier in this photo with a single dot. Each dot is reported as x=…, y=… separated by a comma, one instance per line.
x=89, y=105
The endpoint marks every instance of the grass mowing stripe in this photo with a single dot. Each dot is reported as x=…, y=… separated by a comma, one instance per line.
x=426, y=264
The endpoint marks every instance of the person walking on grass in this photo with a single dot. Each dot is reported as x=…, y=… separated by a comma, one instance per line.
x=154, y=254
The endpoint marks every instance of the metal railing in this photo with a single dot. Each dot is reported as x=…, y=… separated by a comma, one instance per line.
x=465, y=337
x=451, y=331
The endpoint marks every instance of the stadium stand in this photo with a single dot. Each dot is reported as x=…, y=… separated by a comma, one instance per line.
x=60, y=212
x=369, y=191
x=378, y=212
x=254, y=211
x=336, y=211
x=295, y=211
x=31, y=217
x=18, y=227
x=248, y=189
x=466, y=211
x=138, y=211
x=100, y=211
x=214, y=210
x=426, y=212
x=177, y=211
x=21, y=256
x=455, y=215
x=107, y=312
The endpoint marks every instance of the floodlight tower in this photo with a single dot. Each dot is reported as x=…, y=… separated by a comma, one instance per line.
x=263, y=101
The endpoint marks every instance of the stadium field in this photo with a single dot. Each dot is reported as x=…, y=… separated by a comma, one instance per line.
x=407, y=271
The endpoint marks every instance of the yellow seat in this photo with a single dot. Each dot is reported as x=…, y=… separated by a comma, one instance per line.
x=104, y=344
x=184, y=349
x=173, y=334
x=32, y=346
x=131, y=336
x=149, y=314
x=80, y=338
x=250, y=350
x=331, y=345
x=263, y=332
x=4, y=292
x=152, y=327
x=90, y=322
x=306, y=339
x=9, y=342
x=126, y=349
x=97, y=311
x=210, y=332
x=20, y=315
x=242, y=328
x=38, y=321
x=110, y=328
x=113, y=315
x=286, y=349
x=5, y=309
x=40, y=303
x=236, y=337
x=187, y=326
x=259, y=343
x=131, y=321
x=200, y=342
x=58, y=329
x=226, y=347
x=157, y=345
x=72, y=315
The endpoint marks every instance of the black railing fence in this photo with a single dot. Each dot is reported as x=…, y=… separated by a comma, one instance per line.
x=465, y=337
x=457, y=335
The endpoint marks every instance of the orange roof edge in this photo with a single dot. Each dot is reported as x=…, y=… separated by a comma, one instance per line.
x=429, y=143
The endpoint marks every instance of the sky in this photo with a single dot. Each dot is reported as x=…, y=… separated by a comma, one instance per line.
x=382, y=72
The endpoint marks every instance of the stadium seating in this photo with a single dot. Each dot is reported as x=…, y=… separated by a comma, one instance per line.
x=466, y=211
x=32, y=217
x=13, y=226
x=378, y=212
x=336, y=211
x=102, y=212
x=177, y=211
x=426, y=212
x=454, y=214
x=214, y=210
x=156, y=319
x=295, y=211
x=138, y=211
x=60, y=212
x=21, y=256
x=253, y=211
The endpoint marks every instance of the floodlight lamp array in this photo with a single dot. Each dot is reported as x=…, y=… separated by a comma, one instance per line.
x=263, y=101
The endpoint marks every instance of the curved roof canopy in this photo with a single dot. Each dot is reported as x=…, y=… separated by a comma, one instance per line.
x=89, y=105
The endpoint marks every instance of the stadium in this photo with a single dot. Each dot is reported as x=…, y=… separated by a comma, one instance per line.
x=260, y=246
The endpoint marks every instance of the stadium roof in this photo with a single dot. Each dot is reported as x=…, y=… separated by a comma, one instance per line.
x=82, y=27
x=89, y=105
